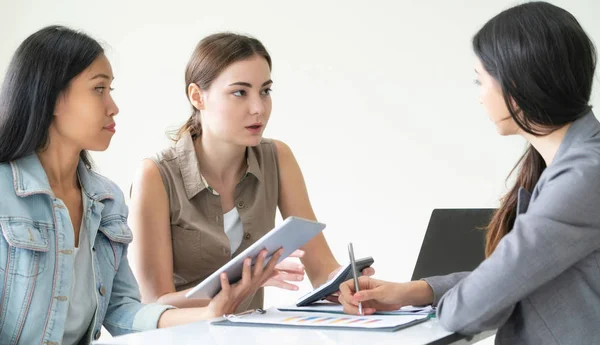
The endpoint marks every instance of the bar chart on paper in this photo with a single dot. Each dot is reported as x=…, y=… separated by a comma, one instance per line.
x=273, y=317
x=331, y=320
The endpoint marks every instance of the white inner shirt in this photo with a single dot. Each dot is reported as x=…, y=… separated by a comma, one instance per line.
x=233, y=229
x=82, y=298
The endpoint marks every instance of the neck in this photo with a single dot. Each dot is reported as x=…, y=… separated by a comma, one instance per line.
x=218, y=160
x=548, y=145
x=60, y=162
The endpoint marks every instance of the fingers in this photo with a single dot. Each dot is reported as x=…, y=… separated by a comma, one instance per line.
x=333, y=273
x=262, y=275
x=260, y=262
x=366, y=283
x=287, y=276
x=281, y=284
x=369, y=271
x=348, y=306
x=290, y=266
x=366, y=292
x=333, y=299
x=225, y=287
x=297, y=254
x=346, y=292
x=271, y=266
x=246, y=272
x=347, y=288
x=268, y=275
x=367, y=295
x=369, y=311
x=349, y=302
x=282, y=279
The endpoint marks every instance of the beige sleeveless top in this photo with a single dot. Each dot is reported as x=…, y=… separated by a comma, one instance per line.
x=200, y=245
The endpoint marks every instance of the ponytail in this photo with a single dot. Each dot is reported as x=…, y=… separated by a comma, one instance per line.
x=192, y=125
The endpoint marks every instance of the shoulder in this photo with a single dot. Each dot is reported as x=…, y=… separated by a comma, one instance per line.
x=6, y=175
x=165, y=156
x=7, y=186
x=274, y=157
x=107, y=192
x=150, y=175
x=569, y=189
x=578, y=167
x=156, y=170
x=106, y=186
x=281, y=149
x=276, y=151
x=271, y=150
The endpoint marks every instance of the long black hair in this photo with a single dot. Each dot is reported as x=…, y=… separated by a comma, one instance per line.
x=544, y=62
x=41, y=68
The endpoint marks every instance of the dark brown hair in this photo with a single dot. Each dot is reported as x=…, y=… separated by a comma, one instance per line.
x=212, y=55
x=545, y=63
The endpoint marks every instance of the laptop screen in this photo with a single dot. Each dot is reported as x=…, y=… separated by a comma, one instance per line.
x=454, y=242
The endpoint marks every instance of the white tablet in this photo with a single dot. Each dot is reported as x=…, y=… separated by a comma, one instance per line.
x=290, y=235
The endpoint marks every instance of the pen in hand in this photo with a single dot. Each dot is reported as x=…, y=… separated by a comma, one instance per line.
x=354, y=274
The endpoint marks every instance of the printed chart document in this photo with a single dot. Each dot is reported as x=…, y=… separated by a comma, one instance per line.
x=328, y=307
x=276, y=318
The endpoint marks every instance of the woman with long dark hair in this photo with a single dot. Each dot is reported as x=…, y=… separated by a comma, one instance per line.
x=63, y=249
x=540, y=282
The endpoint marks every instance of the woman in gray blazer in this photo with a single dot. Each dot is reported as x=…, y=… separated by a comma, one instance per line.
x=540, y=282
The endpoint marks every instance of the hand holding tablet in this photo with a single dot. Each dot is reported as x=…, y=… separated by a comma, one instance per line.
x=290, y=235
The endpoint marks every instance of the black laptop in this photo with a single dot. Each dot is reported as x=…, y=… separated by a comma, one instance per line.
x=454, y=242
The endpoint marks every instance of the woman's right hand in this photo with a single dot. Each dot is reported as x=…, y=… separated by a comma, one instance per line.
x=374, y=295
x=381, y=295
x=231, y=296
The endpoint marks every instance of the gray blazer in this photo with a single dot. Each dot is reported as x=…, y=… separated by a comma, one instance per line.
x=542, y=283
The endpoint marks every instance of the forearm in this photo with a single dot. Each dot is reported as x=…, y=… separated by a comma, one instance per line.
x=318, y=260
x=179, y=300
x=321, y=274
x=175, y=317
x=419, y=293
x=442, y=284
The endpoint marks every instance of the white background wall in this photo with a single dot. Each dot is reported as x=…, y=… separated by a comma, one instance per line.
x=376, y=100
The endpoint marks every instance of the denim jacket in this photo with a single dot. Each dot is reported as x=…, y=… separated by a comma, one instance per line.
x=36, y=258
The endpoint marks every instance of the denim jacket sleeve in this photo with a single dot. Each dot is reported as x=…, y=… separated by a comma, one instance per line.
x=125, y=312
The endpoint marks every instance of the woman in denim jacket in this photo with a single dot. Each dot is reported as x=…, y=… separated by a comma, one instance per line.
x=63, y=249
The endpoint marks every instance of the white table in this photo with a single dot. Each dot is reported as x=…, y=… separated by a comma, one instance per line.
x=430, y=332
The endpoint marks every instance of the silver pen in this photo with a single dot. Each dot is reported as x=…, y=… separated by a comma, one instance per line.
x=354, y=273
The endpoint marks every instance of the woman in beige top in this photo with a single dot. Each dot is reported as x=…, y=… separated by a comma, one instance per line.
x=197, y=204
